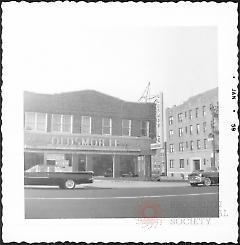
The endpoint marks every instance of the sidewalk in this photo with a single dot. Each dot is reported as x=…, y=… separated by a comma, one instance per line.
x=162, y=179
x=116, y=183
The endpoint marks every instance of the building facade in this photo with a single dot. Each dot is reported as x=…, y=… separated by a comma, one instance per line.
x=88, y=130
x=192, y=134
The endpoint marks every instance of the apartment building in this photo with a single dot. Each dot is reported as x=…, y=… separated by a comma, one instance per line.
x=192, y=134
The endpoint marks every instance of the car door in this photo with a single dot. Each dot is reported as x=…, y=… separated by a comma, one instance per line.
x=36, y=178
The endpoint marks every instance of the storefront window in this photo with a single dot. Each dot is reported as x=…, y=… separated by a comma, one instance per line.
x=126, y=127
x=86, y=125
x=107, y=126
x=35, y=121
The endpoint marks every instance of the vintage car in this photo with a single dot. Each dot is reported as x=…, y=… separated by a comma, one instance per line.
x=56, y=177
x=206, y=177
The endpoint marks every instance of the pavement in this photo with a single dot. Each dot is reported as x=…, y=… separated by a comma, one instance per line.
x=126, y=183
x=122, y=199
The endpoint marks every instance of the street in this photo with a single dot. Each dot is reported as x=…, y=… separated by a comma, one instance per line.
x=119, y=200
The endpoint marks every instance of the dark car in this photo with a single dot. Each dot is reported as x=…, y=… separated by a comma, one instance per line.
x=65, y=180
x=206, y=177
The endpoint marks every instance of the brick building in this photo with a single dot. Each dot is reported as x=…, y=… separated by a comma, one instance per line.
x=190, y=127
x=88, y=130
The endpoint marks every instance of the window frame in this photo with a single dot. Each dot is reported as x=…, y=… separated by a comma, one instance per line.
x=147, y=129
x=110, y=125
x=198, y=144
x=36, y=121
x=171, y=163
x=171, y=148
x=204, y=111
x=129, y=127
x=191, y=145
x=170, y=120
x=181, y=163
x=197, y=128
x=204, y=143
x=61, y=123
x=90, y=124
x=190, y=129
x=197, y=112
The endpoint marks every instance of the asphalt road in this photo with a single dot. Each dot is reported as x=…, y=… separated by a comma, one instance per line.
x=153, y=201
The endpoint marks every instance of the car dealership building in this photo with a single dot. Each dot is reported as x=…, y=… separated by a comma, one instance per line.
x=88, y=130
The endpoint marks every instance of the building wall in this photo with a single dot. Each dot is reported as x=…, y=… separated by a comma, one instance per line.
x=96, y=105
x=72, y=146
x=198, y=101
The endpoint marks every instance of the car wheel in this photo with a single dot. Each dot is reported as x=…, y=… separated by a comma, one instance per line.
x=207, y=182
x=69, y=184
x=193, y=184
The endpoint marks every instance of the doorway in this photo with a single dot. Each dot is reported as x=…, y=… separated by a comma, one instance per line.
x=196, y=164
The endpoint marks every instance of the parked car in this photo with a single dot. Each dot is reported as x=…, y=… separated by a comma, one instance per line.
x=65, y=180
x=130, y=174
x=206, y=177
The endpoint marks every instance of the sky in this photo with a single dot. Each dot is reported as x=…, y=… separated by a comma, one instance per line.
x=54, y=49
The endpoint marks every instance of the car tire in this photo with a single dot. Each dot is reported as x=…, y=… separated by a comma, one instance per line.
x=194, y=184
x=69, y=184
x=207, y=182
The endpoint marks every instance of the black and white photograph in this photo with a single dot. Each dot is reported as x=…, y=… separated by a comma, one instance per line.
x=118, y=116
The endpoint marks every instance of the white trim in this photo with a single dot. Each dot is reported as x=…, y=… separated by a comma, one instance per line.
x=90, y=125
x=35, y=121
x=109, y=125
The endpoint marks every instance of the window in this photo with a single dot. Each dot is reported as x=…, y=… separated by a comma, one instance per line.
x=196, y=112
x=171, y=148
x=191, y=129
x=181, y=163
x=170, y=133
x=180, y=132
x=86, y=125
x=198, y=145
x=126, y=127
x=185, y=114
x=198, y=128
x=107, y=126
x=36, y=121
x=204, y=111
x=186, y=129
x=190, y=114
x=204, y=127
x=191, y=145
x=145, y=128
x=180, y=117
x=205, y=143
x=181, y=148
x=204, y=161
x=170, y=120
x=171, y=163
x=61, y=123
x=186, y=144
